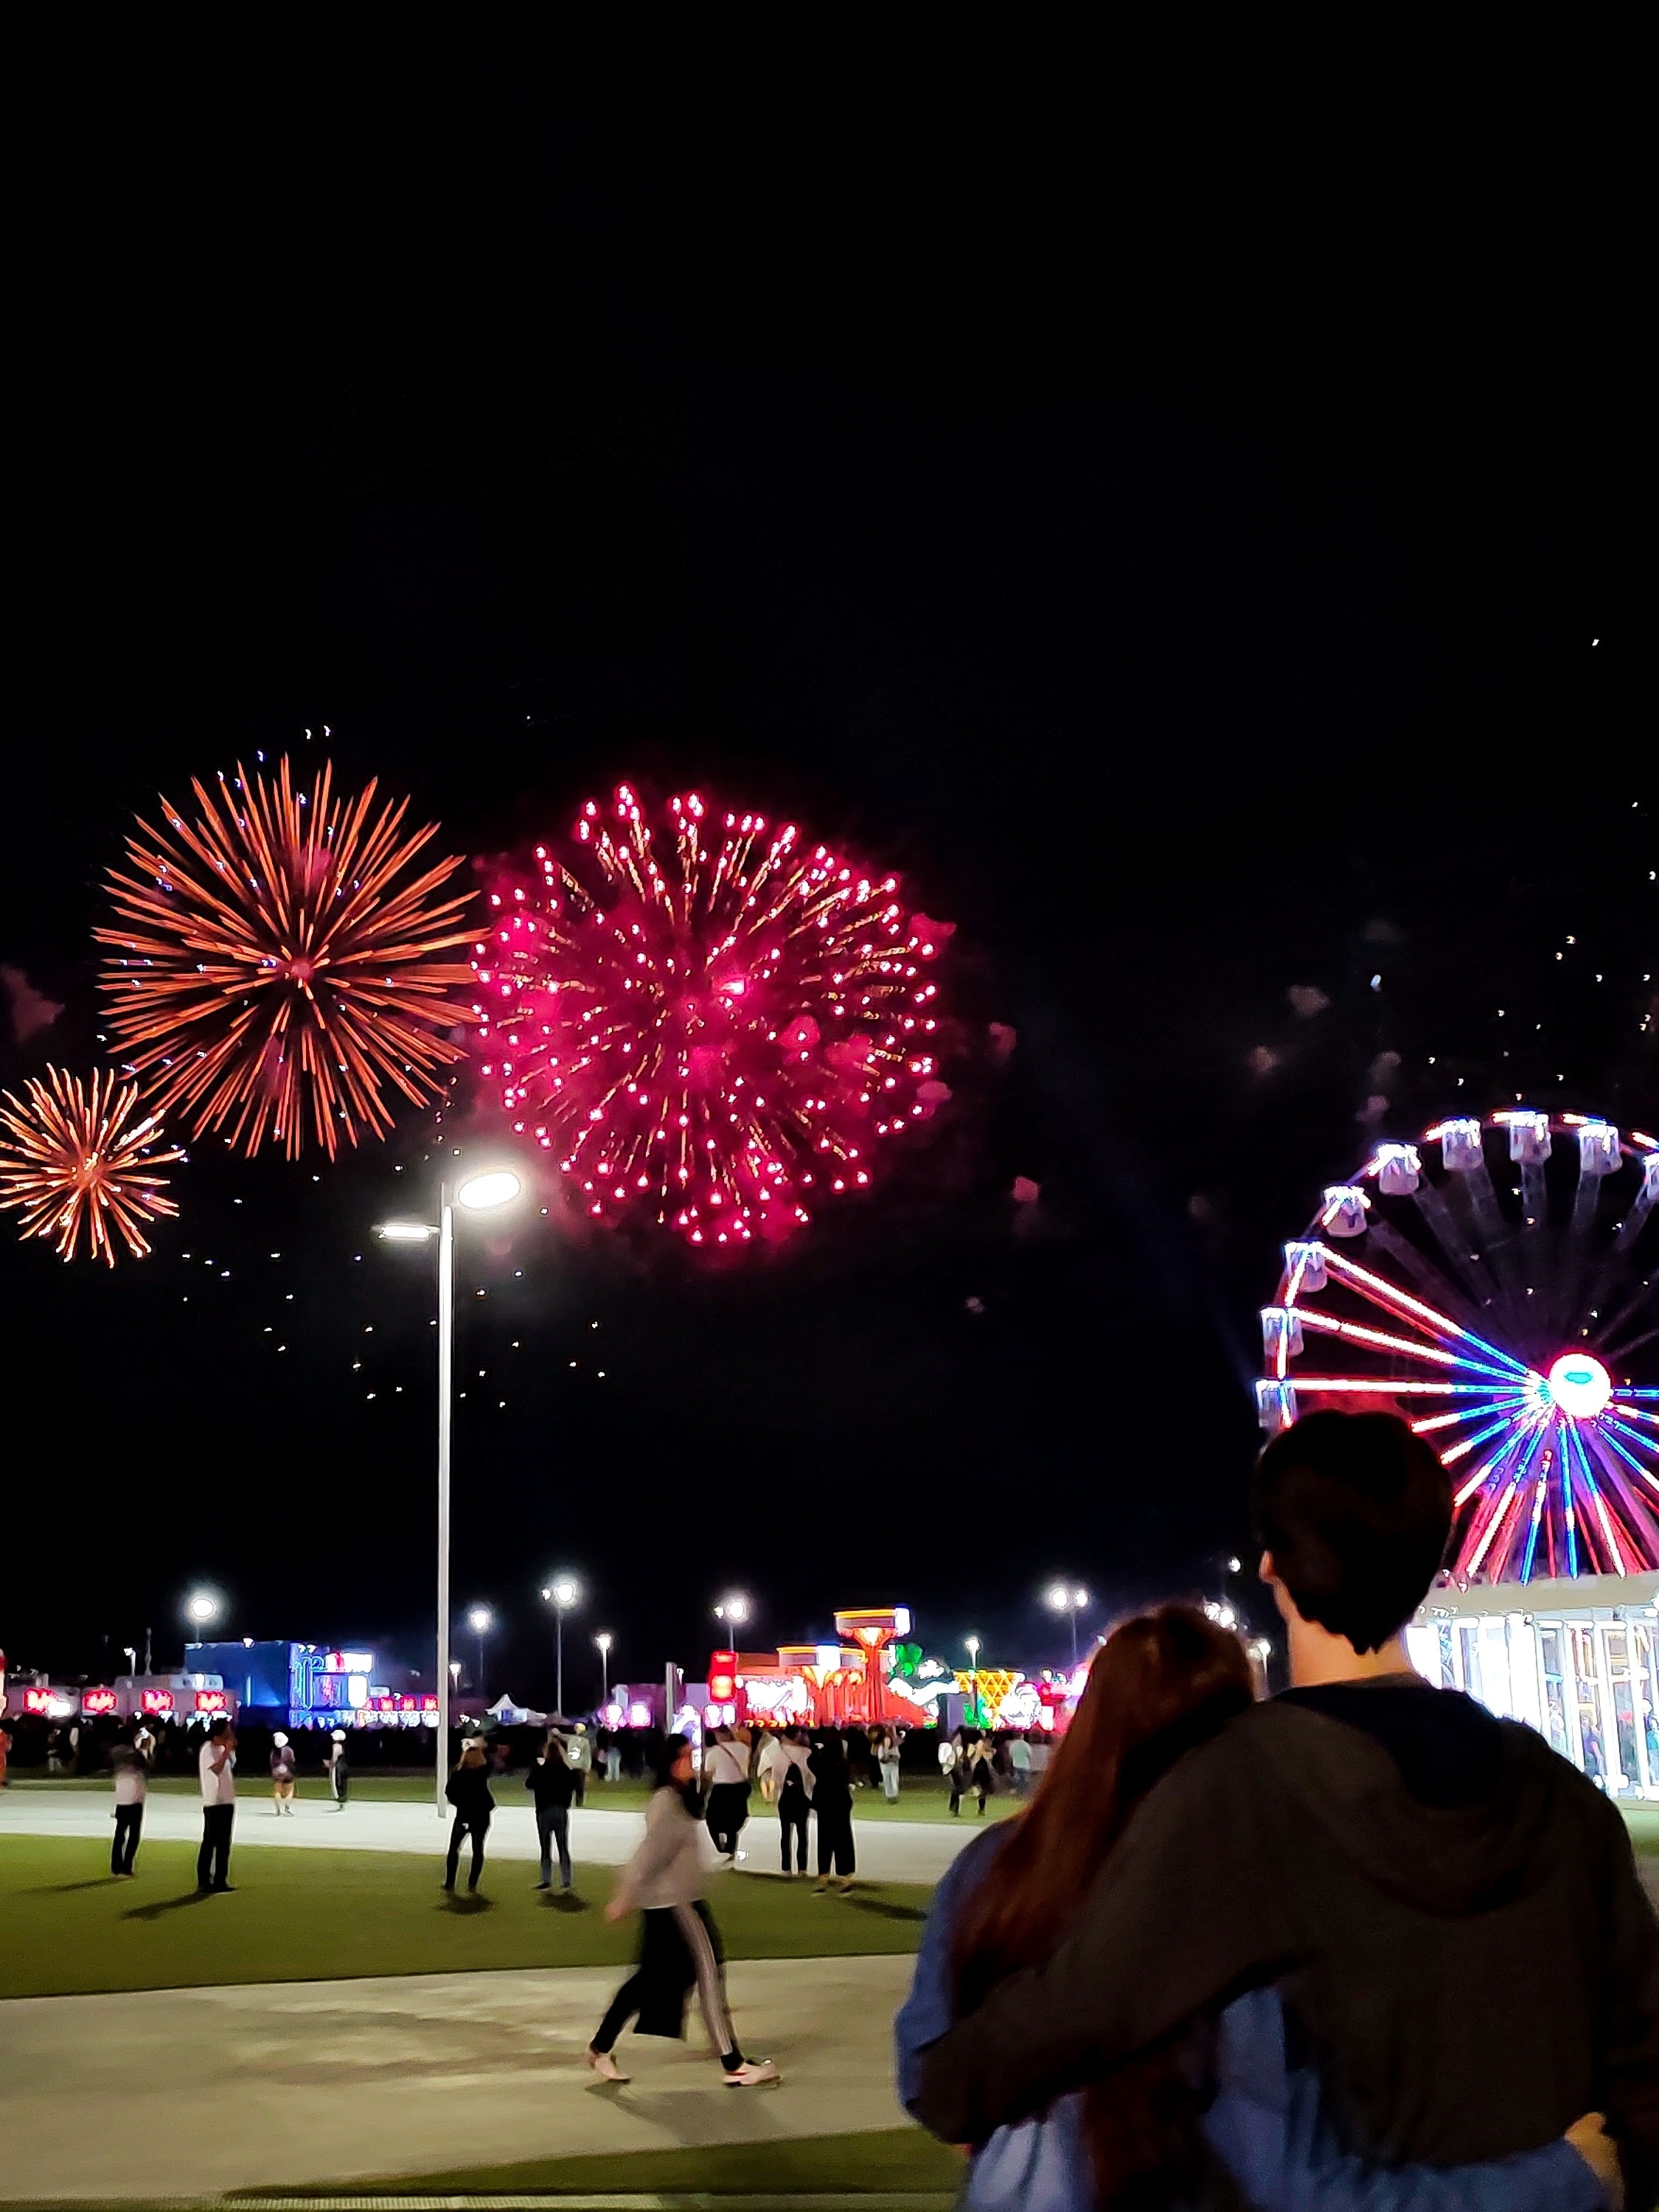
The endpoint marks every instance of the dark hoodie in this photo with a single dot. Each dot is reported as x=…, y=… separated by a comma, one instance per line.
x=1469, y=1972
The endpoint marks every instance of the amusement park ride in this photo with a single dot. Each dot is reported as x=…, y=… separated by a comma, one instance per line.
x=1494, y=1283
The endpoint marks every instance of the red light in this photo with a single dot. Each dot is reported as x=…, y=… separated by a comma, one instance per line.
x=37, y=1701
x=98, y=1701
x=157, y=1701
x=212, y=1701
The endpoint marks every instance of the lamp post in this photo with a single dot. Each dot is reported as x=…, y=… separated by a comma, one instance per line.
x=478, y=1193
x=202, y=1608
x=480, y=1620
x=1066, y=1598
x=972, y=1642
x=561, y=1593
x=733, y=1609
x=602, y=1644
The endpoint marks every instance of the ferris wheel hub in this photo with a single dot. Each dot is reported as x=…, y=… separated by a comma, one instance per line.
x=1579, y=1386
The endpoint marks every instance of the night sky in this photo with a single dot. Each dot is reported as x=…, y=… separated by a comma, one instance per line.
x=1204, y=571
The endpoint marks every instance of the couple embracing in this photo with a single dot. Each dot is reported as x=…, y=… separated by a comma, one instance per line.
x=1362, y=1947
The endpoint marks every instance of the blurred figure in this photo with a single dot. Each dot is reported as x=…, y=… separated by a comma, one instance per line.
x=339, y=1769
x=552, y=1782
x=283, y=1766
x=468, y=1791
x=953, y=1762
x=679, y=1943
x=5, y=1754
x=792, y=1790
x=144, y=1742
x=579, y=1758
x=725, y=1777
x=981, y=1775
x=832, y=1802
x=1042, y=1750
x=1020, y=1766
x=215, y=1768
x=855, y=1745
x=887, y=1759
x=613, y=1761
x=131, y=1788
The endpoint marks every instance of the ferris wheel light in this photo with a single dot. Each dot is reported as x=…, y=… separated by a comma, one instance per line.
x=1579, y=1385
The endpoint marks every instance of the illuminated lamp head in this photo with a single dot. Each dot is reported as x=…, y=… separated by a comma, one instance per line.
x=1579, y=1386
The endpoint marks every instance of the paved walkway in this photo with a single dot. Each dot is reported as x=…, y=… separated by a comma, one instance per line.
x=888, y=1851
x=182, y=2091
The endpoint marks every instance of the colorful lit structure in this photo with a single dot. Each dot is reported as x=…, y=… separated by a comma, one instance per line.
x=1495, y=1282
x=312, y=1685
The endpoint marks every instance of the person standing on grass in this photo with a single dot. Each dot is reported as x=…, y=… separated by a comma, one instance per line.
x=792, y=1793
x=339, y=1769
x=1020, y=1766
x=216, y=1766
x=981, y=1775
x=5, y=1754
x=552, y=1780
x=613, y=1761
x=283, y=1760
x=468, y=1791
x=679, y=1943
x=131, y=1789
x=832, y=1802
x=579, y=1758
x=887, y=1759
x=725, y=1777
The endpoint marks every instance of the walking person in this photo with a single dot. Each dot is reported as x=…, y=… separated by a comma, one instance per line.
x=982, y=1775
x=1222, y=2117
x=792, y=1791
x=951, y=1766
x=339, y=1770
x=679, y=1943
x=1020, y=1766
x=551, y=1781
x=215, y=1768
x=832, y=1802
x=725, y=1777
x=613, y=1761
x=468, y=1791
x=284, y=1764
x=132, y=1787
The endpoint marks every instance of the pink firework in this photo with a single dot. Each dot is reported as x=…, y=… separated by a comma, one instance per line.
x=710, y=1023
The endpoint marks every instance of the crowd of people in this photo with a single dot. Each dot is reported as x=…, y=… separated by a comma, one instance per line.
x=1360, y=1945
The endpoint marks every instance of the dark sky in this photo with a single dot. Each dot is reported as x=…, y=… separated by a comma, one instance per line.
x=1202, y=561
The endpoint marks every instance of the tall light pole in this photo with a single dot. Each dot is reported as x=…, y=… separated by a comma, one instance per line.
x=480, y=1620
x=478, y=1193
x=602, y=1644
x=202, y=1608
x=972, y=1642
x=1066, y=1598
x=733, y=1609
x=561, y=1593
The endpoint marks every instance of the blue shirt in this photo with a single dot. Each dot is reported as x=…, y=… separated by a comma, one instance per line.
x=1267, y=2122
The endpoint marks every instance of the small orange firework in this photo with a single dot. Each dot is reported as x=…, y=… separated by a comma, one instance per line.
x=277, y=966
x=72, y=1158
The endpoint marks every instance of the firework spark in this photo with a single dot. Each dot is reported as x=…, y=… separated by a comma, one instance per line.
x=706, y=1021
x=277, y=963
x=72, y=1158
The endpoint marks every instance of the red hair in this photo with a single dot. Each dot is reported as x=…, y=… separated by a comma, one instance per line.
x=1162, y=1683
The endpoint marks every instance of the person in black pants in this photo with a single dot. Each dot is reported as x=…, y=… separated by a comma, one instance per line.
x=130, y=1792
x=832, y=1801
x=553, y=1782
x=217, y=1766
x=794, y=1798
x=468, y=1791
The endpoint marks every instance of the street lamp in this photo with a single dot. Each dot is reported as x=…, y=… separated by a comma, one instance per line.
x=1066, y=1598
x=203, y=1606
x=561, y=1593
x=476, y=1193
x=733, y=1609
x=480, y=1619
x=602, y=1643
x=972, y=1643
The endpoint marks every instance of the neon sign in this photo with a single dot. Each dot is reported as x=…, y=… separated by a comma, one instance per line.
x=158, y=1702
x=213, y=1701
x=98, y=1701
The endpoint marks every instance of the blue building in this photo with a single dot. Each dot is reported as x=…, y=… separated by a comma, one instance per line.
x=299, y=1685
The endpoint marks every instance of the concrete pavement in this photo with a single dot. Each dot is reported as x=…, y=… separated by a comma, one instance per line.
x=888, y=1851
x=187, y=2092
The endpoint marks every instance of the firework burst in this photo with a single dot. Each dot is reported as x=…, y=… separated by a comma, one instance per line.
x=73, y=1158
x=276, y=963
x=707, y=1022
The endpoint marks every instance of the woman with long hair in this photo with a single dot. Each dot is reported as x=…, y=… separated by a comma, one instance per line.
x=1218, y=2117
x=679, y=1943
x=832, y=1805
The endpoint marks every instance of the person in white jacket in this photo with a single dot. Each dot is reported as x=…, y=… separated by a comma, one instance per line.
x=679, y=1943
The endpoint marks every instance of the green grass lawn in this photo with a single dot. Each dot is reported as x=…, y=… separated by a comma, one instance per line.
x=309, y=1915
x=891, y=2158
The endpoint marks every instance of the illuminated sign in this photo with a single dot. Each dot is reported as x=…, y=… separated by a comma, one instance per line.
x=213, y=1701
x=722, y=1676
x=349, y=1662
x=37, y=1701
x=98, y=1701
x=157, y=1701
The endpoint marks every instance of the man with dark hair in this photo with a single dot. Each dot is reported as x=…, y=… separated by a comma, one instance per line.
x=1450, y=1912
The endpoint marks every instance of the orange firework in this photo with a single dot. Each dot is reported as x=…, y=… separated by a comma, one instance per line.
x=72, y=1158
x=277, y=963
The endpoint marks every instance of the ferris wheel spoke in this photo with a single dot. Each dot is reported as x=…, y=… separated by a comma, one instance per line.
x=1605, y=1441
x=1381, y=1292
x=1600, y=1517
x=1406, y=1347
x=1454, y=1240
x=1414, y=1266
x=1515, y=1461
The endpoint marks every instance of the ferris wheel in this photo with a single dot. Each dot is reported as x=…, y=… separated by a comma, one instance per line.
x=1496, y=1283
